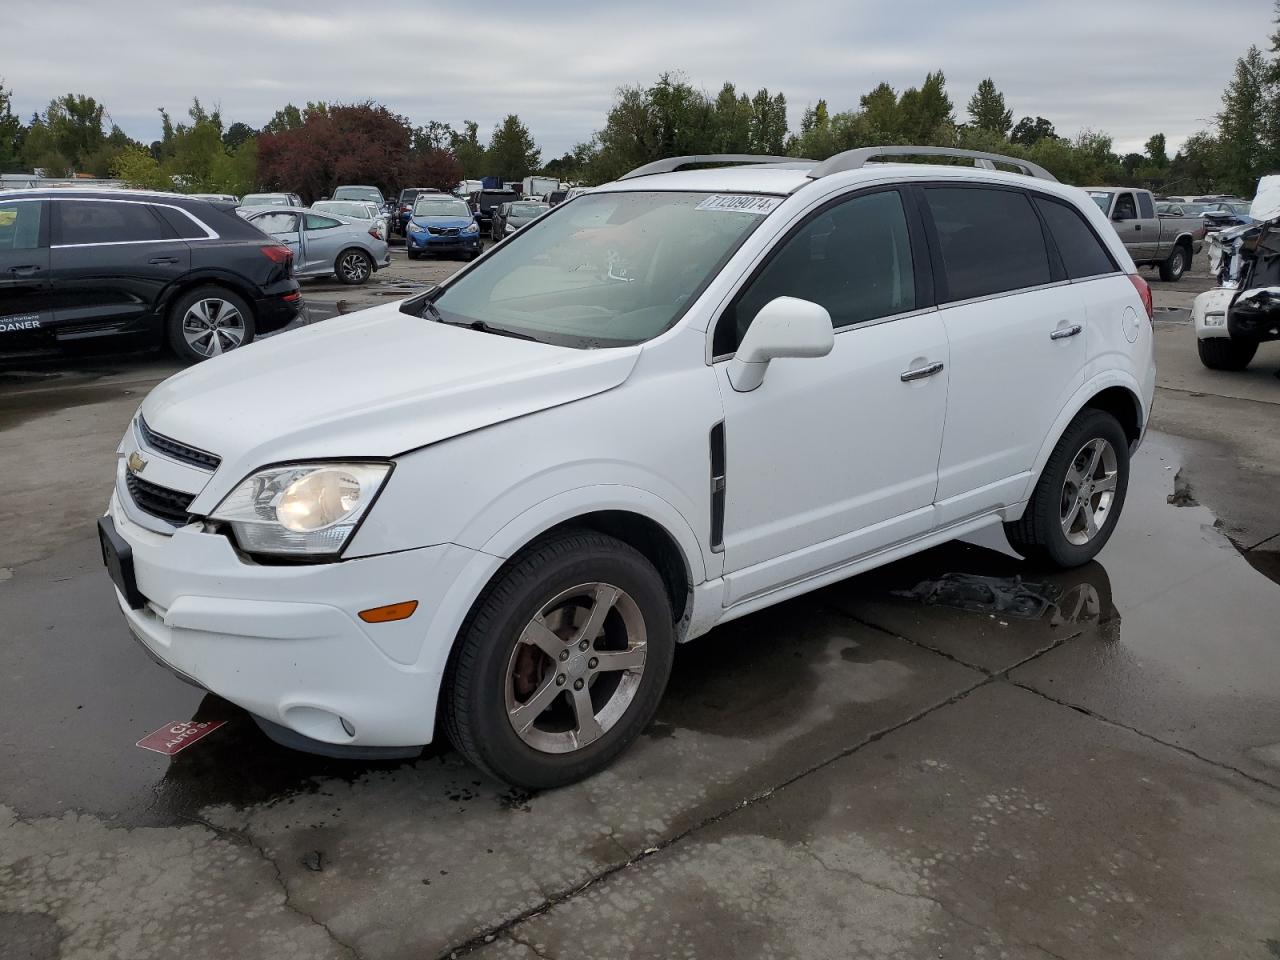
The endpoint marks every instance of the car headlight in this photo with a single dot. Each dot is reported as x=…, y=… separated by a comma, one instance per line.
x=472, y=227
x=301, y=509
x=416, y=228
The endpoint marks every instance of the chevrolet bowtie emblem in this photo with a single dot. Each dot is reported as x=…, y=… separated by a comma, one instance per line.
x=136, y=463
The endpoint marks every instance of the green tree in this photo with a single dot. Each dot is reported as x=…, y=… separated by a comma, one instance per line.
x=1241, y=124
x=768, y=123
x=12, y=133
x=512, y=153
x=1029, y=132
x=1157, y=150
x=987, y=109
x=237, y=134
x=681, y=116
x=925, y=115
x=287, y=117
x=730, y=122
x=138, y=168
x=468, y=149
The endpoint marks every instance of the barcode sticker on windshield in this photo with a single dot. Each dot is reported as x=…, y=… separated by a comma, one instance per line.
x=739, y=203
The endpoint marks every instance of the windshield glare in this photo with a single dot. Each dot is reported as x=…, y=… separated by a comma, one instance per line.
x=357, y=211
x=357, y=193
x=265, y=200
x=440, y=208
x=1102, y=199
x=610, y=269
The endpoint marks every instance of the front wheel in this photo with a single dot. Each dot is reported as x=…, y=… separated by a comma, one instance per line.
x=562, y=661
x=1077, y=500
x=353, y=267
x=1222, y=353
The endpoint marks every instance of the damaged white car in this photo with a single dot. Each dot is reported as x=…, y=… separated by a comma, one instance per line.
x=1244, y=310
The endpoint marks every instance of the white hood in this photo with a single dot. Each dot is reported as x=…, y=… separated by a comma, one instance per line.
x=372, y=384
x=1266, y=203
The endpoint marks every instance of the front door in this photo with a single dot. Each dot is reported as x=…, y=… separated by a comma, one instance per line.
x=835, y=457
x=25, y=304
x=284, y=227
x=321, y=244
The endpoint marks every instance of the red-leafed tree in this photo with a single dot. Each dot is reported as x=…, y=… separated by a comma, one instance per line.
x=433, y=167
x=347, y=143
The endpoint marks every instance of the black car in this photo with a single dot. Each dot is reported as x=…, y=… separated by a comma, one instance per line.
x=484, y=202
x=81, y=266
x=404, y=209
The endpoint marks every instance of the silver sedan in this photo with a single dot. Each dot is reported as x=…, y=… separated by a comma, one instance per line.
x=322, y=244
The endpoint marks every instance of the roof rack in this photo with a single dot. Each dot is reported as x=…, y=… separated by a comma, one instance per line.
x=672, y=164
x=855, y=159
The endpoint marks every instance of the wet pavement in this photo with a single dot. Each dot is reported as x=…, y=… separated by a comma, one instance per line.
x=955, y=755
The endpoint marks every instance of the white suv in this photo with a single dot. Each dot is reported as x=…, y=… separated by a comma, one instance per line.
x=672, y=401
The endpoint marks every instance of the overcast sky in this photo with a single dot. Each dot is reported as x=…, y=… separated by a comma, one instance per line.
x=1128, y=67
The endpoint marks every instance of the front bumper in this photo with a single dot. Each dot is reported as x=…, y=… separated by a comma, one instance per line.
x=286, y=642
x=430, y=243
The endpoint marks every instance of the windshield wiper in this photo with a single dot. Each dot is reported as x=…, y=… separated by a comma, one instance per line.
x=430, y=309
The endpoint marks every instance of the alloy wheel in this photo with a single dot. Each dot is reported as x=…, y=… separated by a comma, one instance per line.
x=354, y=267
x=1089, y=491
x=575, y=668
x=213, y=326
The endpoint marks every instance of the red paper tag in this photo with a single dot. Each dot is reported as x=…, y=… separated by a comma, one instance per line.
x=177, y=736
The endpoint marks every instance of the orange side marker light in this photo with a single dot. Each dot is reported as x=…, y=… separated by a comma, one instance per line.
x=392, y=611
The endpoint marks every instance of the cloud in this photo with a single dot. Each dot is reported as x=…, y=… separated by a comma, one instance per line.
x=1130, y=69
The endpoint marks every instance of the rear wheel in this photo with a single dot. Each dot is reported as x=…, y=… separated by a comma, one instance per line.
x=561, y=663
x=207, y=322
x=353, y=267
x=1176, y=265
x=1079, y=496
x=1222, y=353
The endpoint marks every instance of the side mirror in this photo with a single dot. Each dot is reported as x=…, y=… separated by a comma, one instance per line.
x=784, y=327
x=323, y=198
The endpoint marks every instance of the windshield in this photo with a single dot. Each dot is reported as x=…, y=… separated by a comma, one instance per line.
x=265, y=200
x=527, y=211
x=357, y=211
x=1101, y=198
x=358, y=193
x=428, y=206
x=608, y=270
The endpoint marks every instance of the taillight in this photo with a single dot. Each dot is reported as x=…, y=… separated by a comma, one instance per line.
x=373, y=232
x=404, y=209
x=276, y=252
x=1144, y=291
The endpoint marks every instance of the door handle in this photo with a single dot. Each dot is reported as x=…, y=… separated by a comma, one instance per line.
x=163, y=260
x=1137, y=226
x=26, y=270
x=919, y=373
x=1063, y=332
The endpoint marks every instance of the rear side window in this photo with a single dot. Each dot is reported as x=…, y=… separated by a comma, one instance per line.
x=105, y=221
x=1145, y=207
x=991, y=241
x=317, y=222
x=181, y=225
x=1082, y=252
x=20, y=224
x=853, y=258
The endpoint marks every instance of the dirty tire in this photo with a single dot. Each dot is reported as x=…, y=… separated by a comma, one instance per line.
x=174, y=325
x=413, y=254
x=1039, y=535
x=353, y=267
x=1172, y=269
x=1221, y=353
x=475, y=682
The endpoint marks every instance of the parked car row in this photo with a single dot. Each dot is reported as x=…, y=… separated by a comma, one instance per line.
x=350, y=249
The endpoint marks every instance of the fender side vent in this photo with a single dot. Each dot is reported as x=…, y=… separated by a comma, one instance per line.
x=717, y=487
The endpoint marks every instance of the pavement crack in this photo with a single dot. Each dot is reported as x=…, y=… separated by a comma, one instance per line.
x=243, y=838
x=516, y=938
x=505, y=927
x=1147, y=736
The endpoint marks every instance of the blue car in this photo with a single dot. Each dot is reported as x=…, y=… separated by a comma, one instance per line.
x=442, y=224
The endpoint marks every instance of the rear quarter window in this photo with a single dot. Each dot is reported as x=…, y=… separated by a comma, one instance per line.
x=182, y=226
x=991, y=241
x=1083, y=254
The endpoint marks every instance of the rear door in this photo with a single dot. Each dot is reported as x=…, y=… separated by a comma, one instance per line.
x=110, y=261
x=1015, y=329
x=322, y=242
x=25, y=299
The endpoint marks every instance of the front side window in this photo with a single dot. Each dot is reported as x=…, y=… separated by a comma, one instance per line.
x=276, y=223
x=853, y=258
x=991, y=240
x=1082, y=252
x=610, y=270
x=20, y=224
x=105, y=221
x=1126, y=209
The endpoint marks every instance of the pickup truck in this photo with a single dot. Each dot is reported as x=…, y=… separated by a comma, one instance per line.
x=1165, y=241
